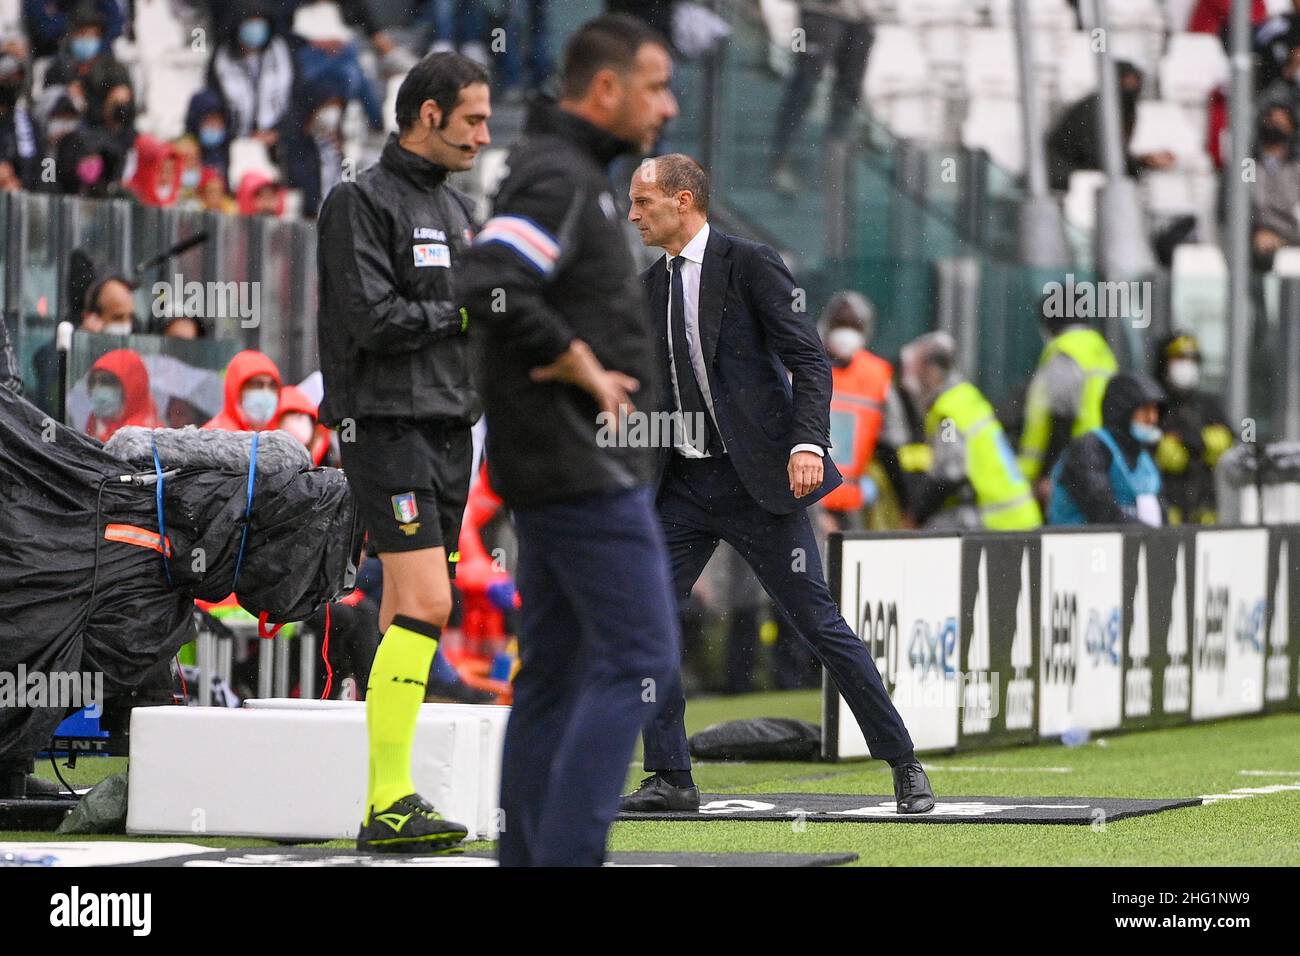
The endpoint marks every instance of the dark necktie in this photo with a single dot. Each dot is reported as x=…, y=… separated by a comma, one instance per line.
x=688, y=387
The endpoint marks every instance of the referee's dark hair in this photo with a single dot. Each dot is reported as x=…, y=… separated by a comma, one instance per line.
x=678, y=172
x=610, y=42
x=439, y=77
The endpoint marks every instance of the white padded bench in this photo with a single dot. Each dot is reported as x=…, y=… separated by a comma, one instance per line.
x=296, y=769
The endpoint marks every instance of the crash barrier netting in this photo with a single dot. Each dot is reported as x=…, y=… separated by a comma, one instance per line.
x=989, y=640
x=82, y=586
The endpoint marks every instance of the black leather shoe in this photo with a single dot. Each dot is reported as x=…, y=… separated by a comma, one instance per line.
x=912, y=789
x=657, y=795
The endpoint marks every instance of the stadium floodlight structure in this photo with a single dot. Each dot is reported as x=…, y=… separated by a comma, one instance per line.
x=1123, y=247
x=1042, y=227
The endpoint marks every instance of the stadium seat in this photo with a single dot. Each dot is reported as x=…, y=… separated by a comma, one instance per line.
x=993, y=125
x=170, y=80
x=158, y=33
x=897, y=65
x=1043, y=14
x=1194, y=65
x=991, y=69
x=1286, y=263
x=780, y=17
x=1081, y=200
x=1077, y=74
x=936, y=13
x=249, y=155
x=1162, y=125
x=1178, y=13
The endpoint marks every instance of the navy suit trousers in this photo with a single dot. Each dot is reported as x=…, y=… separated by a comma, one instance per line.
x=598, y=641
x=702, y=501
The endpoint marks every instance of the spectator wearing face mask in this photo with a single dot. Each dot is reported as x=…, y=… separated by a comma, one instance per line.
x=110, y=307
x=89, y=164
x=1274, y=37
x=252, y=394
x=1196, y=433
x=329, y=55
x=860, y=385
x=85, y=46
x=20, y=144
x=1275, y=193
x=48, y=22
x=119, y=395
x=206, y=121
x=313, y=146
x=157, y=179
x=297, y=415
x=259, y=195
x=110, y=106
x=191, y=163
x=252, y=69
x=1108, y=476
x=58, y=117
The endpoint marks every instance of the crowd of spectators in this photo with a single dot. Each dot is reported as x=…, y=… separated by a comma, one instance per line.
x=264, y=132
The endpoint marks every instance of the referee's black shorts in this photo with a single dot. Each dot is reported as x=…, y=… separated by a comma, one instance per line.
x=411, y=481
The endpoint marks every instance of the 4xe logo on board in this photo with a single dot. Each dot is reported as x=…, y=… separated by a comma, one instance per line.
x=932, y=649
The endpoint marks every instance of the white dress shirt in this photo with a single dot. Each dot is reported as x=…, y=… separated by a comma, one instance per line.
x=693, y=253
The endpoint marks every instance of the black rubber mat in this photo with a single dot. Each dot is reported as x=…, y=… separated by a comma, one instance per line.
x=856, y=808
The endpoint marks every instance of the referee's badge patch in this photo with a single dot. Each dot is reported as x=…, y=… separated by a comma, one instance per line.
x=405, y=509
x=432, y=255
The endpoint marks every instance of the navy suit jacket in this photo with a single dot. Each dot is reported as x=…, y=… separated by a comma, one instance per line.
x=751, y=333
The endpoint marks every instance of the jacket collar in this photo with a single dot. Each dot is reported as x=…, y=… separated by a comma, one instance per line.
x=547, y=117
x=418, y=170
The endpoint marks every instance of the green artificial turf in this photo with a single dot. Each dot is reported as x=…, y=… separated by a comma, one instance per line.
x=1262, y=829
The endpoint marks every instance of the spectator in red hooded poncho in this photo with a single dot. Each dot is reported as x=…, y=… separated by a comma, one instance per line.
x=157, y=179
x=297, y=415
x=252, y=394
x=119, y=395
x=259, y=194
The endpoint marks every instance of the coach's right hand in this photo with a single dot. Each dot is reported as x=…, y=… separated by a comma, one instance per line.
x=579, y=366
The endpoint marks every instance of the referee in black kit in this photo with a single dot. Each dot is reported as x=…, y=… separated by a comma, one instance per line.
x=394, y=357
x=562, y=335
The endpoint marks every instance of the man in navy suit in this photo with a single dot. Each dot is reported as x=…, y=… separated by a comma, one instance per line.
x=748, y=458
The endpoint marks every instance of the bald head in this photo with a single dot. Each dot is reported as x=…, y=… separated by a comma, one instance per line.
x=670, y=201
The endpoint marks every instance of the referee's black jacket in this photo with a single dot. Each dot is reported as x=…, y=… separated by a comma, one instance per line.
x=392, y=338
x=553, y=264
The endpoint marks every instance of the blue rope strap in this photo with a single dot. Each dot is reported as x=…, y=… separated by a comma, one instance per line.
x=158, y=501
x=248, y=509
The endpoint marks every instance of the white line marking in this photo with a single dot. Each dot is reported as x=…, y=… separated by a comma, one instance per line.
x=940, y=768
x=1269, y=773
x=1245, y=793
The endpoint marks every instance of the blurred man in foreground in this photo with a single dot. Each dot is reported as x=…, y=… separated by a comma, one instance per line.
x=564, y=342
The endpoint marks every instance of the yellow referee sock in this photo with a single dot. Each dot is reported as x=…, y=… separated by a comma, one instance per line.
x=393, y=698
